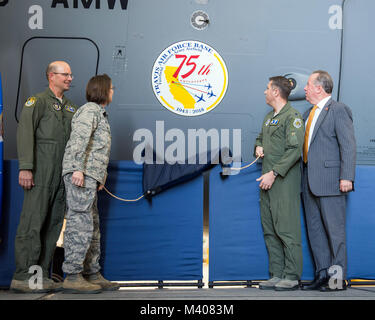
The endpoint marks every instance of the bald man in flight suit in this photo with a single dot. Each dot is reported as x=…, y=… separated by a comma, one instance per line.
x=42, y=134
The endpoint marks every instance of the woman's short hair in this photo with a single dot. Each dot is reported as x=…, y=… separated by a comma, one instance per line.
x=97, y=89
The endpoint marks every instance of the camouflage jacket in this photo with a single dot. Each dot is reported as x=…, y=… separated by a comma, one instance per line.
x=90, y=143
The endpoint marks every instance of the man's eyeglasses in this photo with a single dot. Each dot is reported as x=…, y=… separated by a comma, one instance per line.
x=66, y=75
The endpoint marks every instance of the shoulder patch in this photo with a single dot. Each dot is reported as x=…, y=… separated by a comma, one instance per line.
x=30, y=102
x=69, y=108
x=56, y=106
x=297, y=123
x=274, y=122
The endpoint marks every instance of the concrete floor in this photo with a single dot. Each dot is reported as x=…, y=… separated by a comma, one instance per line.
x=217, y=293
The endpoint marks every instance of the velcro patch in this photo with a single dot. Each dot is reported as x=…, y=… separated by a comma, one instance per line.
x=30, y=102
x=274, y=122
x=297, y=123
x=56, y=106
x=70, y=108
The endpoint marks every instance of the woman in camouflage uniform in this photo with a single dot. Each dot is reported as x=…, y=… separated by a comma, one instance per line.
x=85, y=171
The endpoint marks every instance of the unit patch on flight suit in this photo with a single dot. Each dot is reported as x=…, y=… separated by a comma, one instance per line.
x=274, y=122
x=70, y=108
x=30, y=102
x=56, y=106
x=297, y=123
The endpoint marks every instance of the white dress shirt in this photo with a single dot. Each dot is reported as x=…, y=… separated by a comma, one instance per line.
x=319, y=108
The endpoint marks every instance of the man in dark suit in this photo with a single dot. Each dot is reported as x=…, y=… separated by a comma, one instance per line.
x=328, y=174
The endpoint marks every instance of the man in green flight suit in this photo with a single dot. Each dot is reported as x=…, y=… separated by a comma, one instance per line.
x=280, y=145
x=43, y=131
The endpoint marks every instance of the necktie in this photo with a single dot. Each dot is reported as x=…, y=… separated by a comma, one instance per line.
x=307, y=132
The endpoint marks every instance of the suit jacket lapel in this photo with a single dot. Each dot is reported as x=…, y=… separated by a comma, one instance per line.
x=321, y=117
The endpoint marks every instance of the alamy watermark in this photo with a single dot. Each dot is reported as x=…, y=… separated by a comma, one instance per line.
x=336, y=277
x=335, y=20
x=173, y=146
x=36, y=280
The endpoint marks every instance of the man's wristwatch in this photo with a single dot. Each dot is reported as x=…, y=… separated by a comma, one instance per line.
x=275, y=173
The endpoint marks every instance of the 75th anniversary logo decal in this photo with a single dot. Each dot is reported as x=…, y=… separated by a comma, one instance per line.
x=189, y=78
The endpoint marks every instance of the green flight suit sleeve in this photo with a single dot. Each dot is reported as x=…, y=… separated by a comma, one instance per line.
x=83, y=125
x=295, y=131
x=29, y=119
x=259, y=140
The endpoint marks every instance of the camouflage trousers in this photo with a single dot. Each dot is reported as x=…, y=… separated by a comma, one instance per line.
x=82, y=234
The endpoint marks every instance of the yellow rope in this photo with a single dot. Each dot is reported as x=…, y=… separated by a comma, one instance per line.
x=248, y=165
x=126, y=200
x=134, y=200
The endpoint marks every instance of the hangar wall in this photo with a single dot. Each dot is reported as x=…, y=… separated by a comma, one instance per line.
x=255, y=39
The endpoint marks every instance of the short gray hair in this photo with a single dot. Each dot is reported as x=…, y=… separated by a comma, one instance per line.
x=51, y=68
x=325, y=80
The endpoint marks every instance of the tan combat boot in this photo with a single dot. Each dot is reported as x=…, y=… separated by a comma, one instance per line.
x=22, y=286
x=269, y=284
x=51, y=285
x=75, y=283
x=98, y=279
x=287, y=285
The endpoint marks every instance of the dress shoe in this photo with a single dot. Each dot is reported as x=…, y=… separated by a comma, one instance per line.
x=319, y=282
x=339, y=286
